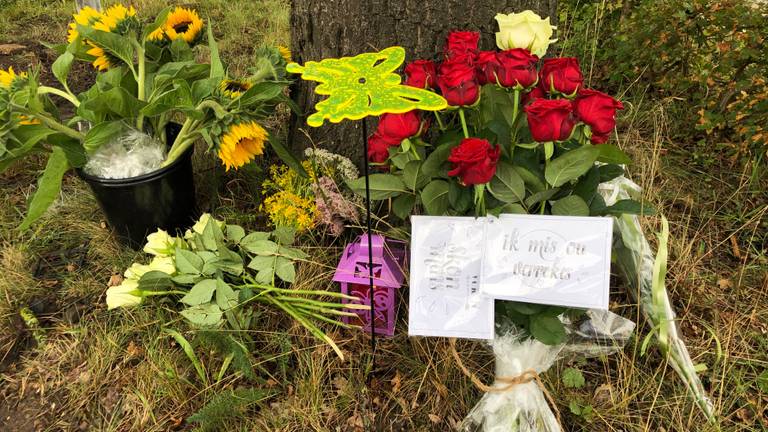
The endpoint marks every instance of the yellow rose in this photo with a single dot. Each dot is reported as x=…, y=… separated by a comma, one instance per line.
x=162, y=244
x=524, y=30
x=124, y=295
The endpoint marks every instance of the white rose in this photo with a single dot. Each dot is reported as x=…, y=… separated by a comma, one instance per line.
x=136, y=271
x=166, y=265
x=163, y=264
x=524, y=30
x=124, y=295
x=160, y=243
x=199, y=226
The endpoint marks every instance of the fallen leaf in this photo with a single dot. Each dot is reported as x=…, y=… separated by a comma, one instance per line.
x=735, y=247
x=434, y=418
x=602, y=394
x=115, y=280
x=396, y=382
x=725, y=283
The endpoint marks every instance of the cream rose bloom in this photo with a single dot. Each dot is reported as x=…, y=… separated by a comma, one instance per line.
x=124, y=295
x=162, y=244
x=199, y=226
x=524, y=30
x=163, y=264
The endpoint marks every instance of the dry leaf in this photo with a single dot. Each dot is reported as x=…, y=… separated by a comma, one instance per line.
x=735, y=247
x=396, y=382
x=725, y=283
x=602, y=394
x=434, y=418
x=115, y=280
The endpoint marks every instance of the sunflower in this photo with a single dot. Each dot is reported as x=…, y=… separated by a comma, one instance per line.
x=183, y=24
x=112, y=21
x=241, y=143
x=103, y=59
x=27, y=121
x=86, y=17
x=157, y=35
x=285, y=53
x=113, y=17
x=7, y=78
x=234, y=88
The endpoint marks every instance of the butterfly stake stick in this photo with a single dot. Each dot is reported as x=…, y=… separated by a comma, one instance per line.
x=358, y=87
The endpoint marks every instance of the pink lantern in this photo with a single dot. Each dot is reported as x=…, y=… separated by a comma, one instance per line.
x=352, y=272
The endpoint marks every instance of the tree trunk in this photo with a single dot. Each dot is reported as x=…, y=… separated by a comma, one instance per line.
x=337, y=28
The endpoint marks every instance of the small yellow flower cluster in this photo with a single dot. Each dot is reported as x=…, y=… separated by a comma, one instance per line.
x=289, y=200
x=286, y=209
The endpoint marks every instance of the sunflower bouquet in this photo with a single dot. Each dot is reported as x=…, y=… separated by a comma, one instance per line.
x=148, y=76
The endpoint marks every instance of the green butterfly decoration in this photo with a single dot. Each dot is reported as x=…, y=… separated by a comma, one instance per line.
x=363, y=85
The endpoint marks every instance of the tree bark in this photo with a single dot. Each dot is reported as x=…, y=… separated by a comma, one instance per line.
x=338, y=28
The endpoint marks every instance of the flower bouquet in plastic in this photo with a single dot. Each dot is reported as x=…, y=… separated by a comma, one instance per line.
x=520, y=135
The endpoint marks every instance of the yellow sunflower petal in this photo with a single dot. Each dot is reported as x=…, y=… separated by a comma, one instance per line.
x=184, y=24
x=241, y=144
x=285, y=53
x=86, y=17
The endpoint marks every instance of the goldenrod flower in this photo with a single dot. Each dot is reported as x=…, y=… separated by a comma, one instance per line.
x=241, y=144
x=113, y=17
x=287, y=209
x=234, y=88
x=183, y=23
x=285, y=53
x=8, y=77
x=87, y=16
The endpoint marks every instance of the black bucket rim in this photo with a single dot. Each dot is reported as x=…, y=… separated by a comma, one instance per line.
x=143, y=178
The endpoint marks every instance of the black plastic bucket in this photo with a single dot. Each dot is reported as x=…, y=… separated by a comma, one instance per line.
x=138, y=206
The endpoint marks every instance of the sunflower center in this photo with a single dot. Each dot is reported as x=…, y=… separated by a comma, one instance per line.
x=234, y=86
x=182, y=27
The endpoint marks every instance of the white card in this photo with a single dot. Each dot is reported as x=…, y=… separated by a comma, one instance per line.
x=445, y=298
x=554, y=260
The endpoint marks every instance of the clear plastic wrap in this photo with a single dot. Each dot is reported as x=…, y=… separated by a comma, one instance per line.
x=524, y=407
x=635, y=261
x=130, y=154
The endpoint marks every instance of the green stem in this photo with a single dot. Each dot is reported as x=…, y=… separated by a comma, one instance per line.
x=546, y=185
x=51, y=90
x=301, y=292
x=480, y=200
x=317, y=303
x=439, y=121
x=156, y=293
x=515, y=105
x=141, y=85
x=463, y=122
x=329, y=320
x=58, y=127
x=181, y=143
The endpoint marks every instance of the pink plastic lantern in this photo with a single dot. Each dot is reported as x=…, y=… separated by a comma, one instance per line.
x=352, y=273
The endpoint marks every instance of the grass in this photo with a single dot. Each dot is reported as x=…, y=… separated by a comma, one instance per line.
x=118, y=370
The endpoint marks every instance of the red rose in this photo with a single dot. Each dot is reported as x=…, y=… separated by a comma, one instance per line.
x=561, y=74
x=394, y=128
x=535, y=93
x=474, y=161
x=517, y=67
x=598, y=110
x=421, y=74
x=461, y=42
x=486, y=66
x=378, y=148
x=550, y=120
x=457, y=81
